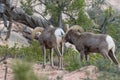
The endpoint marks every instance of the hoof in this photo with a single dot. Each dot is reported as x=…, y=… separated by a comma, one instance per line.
x=43, y=66
x=60, y=68
x=52, y=67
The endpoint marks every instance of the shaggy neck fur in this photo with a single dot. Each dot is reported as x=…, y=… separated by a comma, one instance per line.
x=71, y=36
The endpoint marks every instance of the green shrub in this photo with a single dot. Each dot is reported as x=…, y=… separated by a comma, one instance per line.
x=23, y=71
x=72, y=60
x=31, y=53
x=109, y=76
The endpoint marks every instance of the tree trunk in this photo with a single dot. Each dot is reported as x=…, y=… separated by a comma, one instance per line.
x=60, y=24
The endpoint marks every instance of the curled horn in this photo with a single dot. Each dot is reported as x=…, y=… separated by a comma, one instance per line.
x=36, y=30
x=77, y=28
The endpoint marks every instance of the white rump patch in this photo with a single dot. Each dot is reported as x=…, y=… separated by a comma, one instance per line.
x=59, y=34
x=111, y=44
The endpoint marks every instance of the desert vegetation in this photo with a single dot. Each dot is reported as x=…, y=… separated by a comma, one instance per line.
x=92, y=18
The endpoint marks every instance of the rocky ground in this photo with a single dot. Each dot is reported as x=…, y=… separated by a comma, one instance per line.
x=87, y=72
x=17, y=37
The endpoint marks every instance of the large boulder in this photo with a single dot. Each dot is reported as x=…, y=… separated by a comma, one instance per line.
x=15, y=40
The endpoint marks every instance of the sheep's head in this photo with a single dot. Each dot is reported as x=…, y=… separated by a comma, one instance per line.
x=36, y=32
x=69, y=37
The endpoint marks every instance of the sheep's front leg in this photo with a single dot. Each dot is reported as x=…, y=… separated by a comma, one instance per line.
x=59, y=57
x=82, y=55
x=51, y=58
x=87, y=56
x=62, y=45
x=44, y=56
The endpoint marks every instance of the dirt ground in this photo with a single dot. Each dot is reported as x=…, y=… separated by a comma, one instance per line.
x=52, y=74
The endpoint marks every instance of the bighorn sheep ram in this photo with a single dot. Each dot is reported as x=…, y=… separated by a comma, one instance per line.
x=51, y=39
x=88, y=42
x=73, y=27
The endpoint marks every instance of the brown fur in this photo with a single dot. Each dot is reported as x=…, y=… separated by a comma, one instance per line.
x=48, y=40
x=47, y=37
x=73, y=27
x=88, y=42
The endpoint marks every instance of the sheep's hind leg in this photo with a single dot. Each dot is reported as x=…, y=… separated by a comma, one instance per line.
x=105, y=54
x=62, y=46
x=113, y=57
x=59, y=57
x=51, y=58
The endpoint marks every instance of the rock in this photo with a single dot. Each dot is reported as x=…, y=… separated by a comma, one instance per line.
x=113, y=3
x=88, y=72
x=15, y=40
x=18, y=27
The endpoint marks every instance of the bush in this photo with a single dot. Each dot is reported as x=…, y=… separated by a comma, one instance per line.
x=31, y=53
x=72, y=60
x=23, y=71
